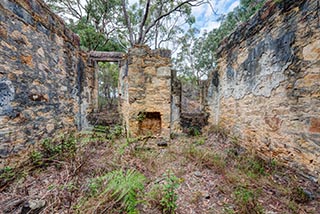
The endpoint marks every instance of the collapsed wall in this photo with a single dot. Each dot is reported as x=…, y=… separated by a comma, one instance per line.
x=149, y=93
x=266, y=88
x=45, y=83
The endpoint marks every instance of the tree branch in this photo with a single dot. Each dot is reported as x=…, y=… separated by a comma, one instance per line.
x=127, y=22
x=189, y=2
x=146, y=13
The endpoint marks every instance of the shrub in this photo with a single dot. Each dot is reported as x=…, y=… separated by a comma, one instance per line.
x=169, y=198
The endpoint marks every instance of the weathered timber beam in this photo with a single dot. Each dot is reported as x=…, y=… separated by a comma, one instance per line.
x=103, y=56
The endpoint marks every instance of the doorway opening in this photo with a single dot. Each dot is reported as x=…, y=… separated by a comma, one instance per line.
x=107, y=113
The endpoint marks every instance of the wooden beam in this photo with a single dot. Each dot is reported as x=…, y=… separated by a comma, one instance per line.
x=103, y=56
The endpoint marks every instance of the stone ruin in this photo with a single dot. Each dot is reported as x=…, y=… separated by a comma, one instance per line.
x=265, y=89
x=149, y=93
x=46, y=85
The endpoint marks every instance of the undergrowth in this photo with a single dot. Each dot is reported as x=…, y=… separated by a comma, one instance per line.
x=116, y=190
x=169, y=198
x=103, y=172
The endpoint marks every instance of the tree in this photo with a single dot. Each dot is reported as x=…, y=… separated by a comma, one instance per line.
x=152, y=22
x=200, y=51
x=108, y=85
x=148, y=18
x=94, y=21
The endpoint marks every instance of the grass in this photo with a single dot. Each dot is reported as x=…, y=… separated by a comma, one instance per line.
x=204, y=157
x=94, y=173
x=246, y=200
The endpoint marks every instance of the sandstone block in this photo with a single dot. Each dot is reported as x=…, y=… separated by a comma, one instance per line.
x=315, y=125
x=164, y=72
x=312, y=51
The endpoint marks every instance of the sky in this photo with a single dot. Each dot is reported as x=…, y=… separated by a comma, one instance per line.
x=206, y=18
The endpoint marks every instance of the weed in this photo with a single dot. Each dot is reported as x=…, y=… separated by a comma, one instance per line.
x=200, y=141
x=173, y=135
x=51, y=187
x=205, y=158
x=300, y=195
x=132, y=140
x=100, y=128
x=246, y=201
x=7, y=173
x=252, y=166
x=228, y=209
x=115, y=132
x=169, y=199
x=219, y=131
x=141, y=116
x=70, y=187
x=56, y=147
x=155, y=195
x=194, y=131
x=122, y=147
x=293, y=207
x=94, y=186
x=36, y=158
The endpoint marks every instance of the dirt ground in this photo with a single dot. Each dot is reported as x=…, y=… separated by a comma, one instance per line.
x=214, y=175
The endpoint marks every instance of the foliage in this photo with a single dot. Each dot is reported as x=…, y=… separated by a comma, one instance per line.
x=246, y=201
x=197, y=57
x=94, y=180
x=194, y=131
x=155, y=21
x=170, y=197
x=119, y=188
x=299, y=195
x=60, y=146
x=6, y=174
x=200, y=141
x=108, y=75
x=36, y=158
x=51, y=150
x=119, y=23
x=141, y=116
x=116, y=131
x=93, y=20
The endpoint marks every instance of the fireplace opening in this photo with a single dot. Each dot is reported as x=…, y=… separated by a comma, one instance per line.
x=149, y=123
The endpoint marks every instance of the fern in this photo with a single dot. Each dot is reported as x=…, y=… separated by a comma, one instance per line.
x=123, y=188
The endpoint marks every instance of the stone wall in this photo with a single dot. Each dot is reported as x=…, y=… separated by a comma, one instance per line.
x=149, y=93
x=45, y=84
x=266, y=88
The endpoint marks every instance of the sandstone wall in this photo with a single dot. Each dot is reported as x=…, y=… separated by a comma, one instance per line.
x=149, y=104
x=45, y=84
x=266, y=88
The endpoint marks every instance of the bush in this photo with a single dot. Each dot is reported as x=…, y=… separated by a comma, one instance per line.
x=169, y=198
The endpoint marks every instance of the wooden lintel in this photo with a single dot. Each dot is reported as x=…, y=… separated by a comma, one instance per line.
x=103, y=56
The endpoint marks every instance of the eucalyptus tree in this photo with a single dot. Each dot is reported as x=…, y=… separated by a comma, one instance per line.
x=197, y=56
x=94, y=20
x=152, y=22
x=157, y=21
